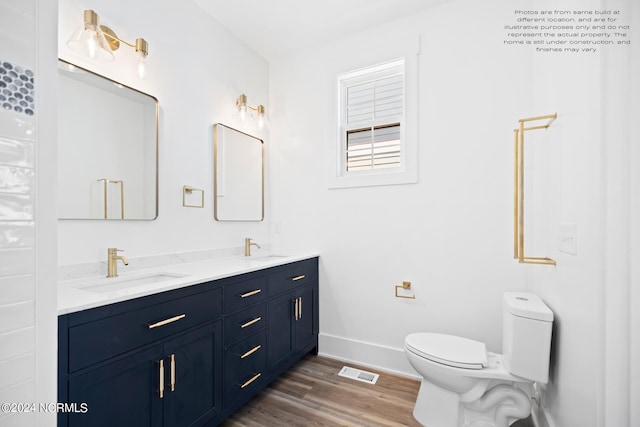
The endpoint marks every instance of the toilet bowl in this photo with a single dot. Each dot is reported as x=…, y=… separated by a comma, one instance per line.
x=464, y=385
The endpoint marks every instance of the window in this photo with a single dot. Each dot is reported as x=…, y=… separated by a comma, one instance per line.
x=372, y=111
x=372, y=145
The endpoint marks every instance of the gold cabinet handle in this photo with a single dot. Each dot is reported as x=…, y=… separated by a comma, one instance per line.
x=300, y=277
x=250, y=322
x=161, y=379
x=295, y=309
x=167, y=321
x=173, y=372
x=248, y=294
x=255, y=377
x=250, y=352
x=518, y=192
x=300, y=308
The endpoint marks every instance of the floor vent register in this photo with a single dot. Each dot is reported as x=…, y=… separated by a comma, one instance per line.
x=358, y=375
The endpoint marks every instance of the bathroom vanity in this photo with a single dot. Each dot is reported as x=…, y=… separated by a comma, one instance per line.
x=188, y=355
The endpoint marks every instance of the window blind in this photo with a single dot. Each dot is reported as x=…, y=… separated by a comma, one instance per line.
x=377, y=147
x=374, y=109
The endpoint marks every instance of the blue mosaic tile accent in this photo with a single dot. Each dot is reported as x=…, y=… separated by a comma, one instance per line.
x=16, y=88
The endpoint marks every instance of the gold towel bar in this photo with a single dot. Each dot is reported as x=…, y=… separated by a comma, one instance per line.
x=518, y=192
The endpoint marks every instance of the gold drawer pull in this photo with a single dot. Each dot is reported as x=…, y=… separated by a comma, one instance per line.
x=248, y=294
x=255, y=377
x=250, y=322
x=167, y=321
x=173, y=372
x=300, y=277
x=250, y=352
x=161, y=379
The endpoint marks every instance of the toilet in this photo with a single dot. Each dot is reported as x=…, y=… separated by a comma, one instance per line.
x=464, y=385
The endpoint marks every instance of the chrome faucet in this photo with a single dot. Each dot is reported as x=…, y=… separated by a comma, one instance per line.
x=112, y=261
x=247, y=246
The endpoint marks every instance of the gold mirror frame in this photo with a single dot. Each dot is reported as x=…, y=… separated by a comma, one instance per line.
x=238, y=178
x=112, y=194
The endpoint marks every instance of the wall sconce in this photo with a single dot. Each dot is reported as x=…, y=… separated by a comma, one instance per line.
x=244, y=112
x=90, y=39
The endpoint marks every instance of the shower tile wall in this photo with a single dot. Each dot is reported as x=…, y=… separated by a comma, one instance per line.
x=17, y=196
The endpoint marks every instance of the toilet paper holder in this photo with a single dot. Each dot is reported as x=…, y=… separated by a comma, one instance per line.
x=405, y=286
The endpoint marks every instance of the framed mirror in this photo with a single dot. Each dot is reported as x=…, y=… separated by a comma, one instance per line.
x=238, y=160
x=107, y=148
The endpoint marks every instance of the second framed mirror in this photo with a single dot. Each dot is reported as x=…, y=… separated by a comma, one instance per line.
x=238, y=160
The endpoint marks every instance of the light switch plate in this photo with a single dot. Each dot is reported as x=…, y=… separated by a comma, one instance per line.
x=568, y=238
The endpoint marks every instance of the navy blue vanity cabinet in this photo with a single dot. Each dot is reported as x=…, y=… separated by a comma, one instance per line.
x=293, y=314
x=163, y=363
x=190, y=356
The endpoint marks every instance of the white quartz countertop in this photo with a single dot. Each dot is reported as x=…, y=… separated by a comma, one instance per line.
x=90, y=292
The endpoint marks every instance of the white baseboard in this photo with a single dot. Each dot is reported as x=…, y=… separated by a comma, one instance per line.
x=375, y=356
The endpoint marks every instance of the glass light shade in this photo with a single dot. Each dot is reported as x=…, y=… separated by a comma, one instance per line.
x=242, y=112
x=262, y=121
x=90, y=42
x=142, y=67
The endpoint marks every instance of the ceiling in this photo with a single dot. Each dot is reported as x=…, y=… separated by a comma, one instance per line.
x=280, y=27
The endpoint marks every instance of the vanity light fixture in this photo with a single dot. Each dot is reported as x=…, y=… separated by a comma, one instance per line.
x=99, y=41
x=244, y=112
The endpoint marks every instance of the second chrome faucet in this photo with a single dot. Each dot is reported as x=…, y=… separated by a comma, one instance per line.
x=112, y=261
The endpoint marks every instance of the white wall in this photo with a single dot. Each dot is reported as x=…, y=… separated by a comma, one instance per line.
x=590, y=187
x=451, y=233
x=196, y=69
x=634, y=250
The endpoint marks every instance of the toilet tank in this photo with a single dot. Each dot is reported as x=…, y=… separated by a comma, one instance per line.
x=526, y=336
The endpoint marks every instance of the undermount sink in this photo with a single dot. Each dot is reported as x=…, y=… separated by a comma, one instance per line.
x=266, y=258
x=118, y=283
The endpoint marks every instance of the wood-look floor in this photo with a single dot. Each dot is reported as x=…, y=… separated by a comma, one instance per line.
x=312, y=394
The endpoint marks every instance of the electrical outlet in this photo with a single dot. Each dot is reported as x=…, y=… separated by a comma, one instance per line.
x=568, y=238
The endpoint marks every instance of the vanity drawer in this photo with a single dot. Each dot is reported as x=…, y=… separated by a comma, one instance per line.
x=105, y=338
x=247, y=353
x=250, y=375
x=245, y=293
x=292, y=276
x=247, y=322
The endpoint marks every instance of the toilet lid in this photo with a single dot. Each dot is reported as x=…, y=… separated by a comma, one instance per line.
x=448, y=350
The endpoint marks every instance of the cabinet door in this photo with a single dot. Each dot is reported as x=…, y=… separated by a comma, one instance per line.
x=292, y=324
x=193, y=390
x=124, y=393
x=281, y=344
x=305, y=327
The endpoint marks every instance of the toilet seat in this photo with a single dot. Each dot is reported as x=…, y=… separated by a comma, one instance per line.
x=448, y=350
